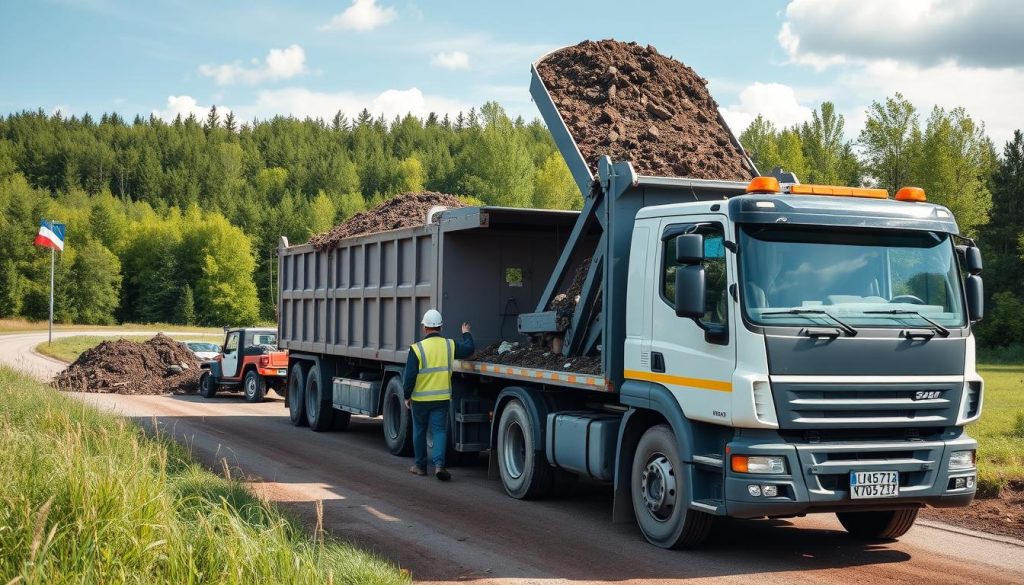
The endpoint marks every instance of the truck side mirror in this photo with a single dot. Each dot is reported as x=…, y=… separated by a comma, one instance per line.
x=972, y=260
x=690, y=290
x=689, y=249
x=975, y=296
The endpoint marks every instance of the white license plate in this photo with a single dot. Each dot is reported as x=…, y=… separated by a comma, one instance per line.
x=282, y=372
x=874, y=484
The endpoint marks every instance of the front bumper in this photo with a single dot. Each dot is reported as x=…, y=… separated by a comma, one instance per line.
x=817, y=478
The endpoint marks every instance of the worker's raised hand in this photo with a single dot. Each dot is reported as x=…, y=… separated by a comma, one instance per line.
x=465, y=327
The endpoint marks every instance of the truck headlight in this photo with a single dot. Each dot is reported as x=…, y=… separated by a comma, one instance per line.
x=758, y=464
x=961, y=460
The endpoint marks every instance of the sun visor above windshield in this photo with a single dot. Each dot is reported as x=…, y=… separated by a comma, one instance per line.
x=842, y=212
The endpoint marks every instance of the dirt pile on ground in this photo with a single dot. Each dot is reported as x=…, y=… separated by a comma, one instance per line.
x=531, y=356
x=401, y=211
x=632, y=103
x=1000, y=515
x=158, y=366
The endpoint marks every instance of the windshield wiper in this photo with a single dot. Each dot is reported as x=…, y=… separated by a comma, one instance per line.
x=842, y=325
x=942, y=330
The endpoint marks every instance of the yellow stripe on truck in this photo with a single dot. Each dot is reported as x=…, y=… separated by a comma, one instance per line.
x=716, y=385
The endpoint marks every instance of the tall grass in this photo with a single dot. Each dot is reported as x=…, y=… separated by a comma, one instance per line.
x=88, y=498
x=1000, y=430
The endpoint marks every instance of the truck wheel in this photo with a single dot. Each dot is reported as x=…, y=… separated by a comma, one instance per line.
x=319, y=410
x=207, y=388
x=525, y=472
x=397, y=419
x=660, y=498
x=297, y=395
x=888, y=525
x=254, y=386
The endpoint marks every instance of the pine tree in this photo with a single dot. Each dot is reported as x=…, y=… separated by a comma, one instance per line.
x=212, y=119
x=229, y=122
x=185, y=313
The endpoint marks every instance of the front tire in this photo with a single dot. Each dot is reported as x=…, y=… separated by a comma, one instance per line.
x=255, y=387
x=660, y=498
x=319, y=410
x=297, y=395
x=887, y=525
x=397, y=419
x=207, y=387
x=525, y=472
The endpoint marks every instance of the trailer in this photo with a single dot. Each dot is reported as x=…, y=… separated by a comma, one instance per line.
x=768, y=349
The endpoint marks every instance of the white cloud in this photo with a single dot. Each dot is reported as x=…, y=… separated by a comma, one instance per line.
x=277, y=65
x=935, y=52
x=301, y=102
x=184, y=105
x=776, y=102
x=363, y=15
x=452, y=60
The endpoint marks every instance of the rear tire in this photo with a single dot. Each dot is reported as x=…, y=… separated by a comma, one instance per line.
x=887, y=525
x=207, y=388
x=660, y=499
x=297, y=395
x=397, y=419
x=525, y=472
x=319, y=410
x=254, y=386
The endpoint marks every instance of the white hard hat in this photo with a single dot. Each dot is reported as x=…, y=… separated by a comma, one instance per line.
x=432, y=319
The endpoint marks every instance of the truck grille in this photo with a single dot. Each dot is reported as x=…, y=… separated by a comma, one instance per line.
x=851, y=406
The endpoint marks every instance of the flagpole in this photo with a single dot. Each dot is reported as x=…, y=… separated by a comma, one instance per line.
x=53, y=262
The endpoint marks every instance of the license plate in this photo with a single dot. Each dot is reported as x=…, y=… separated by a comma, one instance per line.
x=282, y=372
x=874, y=484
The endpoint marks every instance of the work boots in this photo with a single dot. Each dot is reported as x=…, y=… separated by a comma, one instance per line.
x=417, y=470
x=442, y=474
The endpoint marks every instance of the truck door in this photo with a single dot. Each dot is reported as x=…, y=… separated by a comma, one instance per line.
x=229, y=363
x=695, y=366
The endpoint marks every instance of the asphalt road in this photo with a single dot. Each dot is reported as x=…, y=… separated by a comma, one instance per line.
x=470, y=530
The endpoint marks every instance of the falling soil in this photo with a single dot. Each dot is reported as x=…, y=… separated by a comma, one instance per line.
x=158, y=366
x=1000, y=515
x=632, y=103
x=401, y=211
x=565, y=302
x=531, y=356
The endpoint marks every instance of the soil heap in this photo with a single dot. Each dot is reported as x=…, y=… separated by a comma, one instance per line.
x=632, y=103
x=401, y=211
x=158, y=366
x=531, y=356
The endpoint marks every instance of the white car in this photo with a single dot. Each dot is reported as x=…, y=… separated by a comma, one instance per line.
x=204, y=350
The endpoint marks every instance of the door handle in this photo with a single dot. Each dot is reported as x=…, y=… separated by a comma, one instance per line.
x=657, y=362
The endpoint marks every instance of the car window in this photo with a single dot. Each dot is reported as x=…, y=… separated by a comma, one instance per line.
x=265, y=339
x=232, y=343
x=716, y=281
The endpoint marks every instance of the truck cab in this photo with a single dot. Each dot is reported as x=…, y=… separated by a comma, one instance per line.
x=818, y=348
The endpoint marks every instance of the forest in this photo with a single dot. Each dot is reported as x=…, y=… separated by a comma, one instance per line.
x=178, y=221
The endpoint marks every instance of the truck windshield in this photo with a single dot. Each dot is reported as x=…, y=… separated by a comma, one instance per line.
x=798, y=277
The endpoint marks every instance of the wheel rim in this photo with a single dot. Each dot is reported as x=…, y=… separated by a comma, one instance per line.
x=514, y=449
x=393, y=417
x=658, y=487
x=250, y=386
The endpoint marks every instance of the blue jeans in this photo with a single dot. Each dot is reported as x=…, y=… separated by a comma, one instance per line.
x=434, y=414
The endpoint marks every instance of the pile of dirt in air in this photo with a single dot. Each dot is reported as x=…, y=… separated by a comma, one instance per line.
x=531, y=356
x=158, y=366
x=401, y=211
x=632, y=103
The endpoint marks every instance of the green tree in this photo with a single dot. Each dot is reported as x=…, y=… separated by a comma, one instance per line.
x=225, y=292
x=823, y=145
x=761, y=141
x=554, y=186
x=412, y=176
x=791, y=153
x=94, y=289
x=500, y=170
x=185, y=312
x=891, y=140
x=322, y=213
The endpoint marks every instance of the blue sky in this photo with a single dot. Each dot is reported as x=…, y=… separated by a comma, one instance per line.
x=262, y=58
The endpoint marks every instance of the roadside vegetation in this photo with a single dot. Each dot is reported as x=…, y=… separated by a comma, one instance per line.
x=87, y=497
x=1000, y=431
x=26, y=326
x=69, y=348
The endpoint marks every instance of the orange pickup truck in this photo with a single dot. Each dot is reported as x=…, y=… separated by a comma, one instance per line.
x=250, y=361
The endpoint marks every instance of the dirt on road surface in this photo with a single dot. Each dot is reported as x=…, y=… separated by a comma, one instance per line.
x=401, y=211
x=469, y=529
x=632, y=103
x=1003, y=515
x=157, y=366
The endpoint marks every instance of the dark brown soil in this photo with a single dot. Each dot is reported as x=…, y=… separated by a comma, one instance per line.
x=158, y=366
x=565, y=302
x=1000, y=515
x=401, y=211
x=632, y=103
x=529, y=356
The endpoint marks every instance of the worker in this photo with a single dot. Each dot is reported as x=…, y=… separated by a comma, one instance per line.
x=428, y=390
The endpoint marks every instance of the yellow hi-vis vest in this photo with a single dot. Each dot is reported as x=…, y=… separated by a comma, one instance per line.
x=434, y=380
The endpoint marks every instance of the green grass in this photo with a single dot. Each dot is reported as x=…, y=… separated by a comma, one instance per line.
x=69, y=348
x=87, y=497
x=1000, y=430
x=21, y=325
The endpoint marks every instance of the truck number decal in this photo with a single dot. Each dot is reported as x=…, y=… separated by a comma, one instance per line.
x=719, y=414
